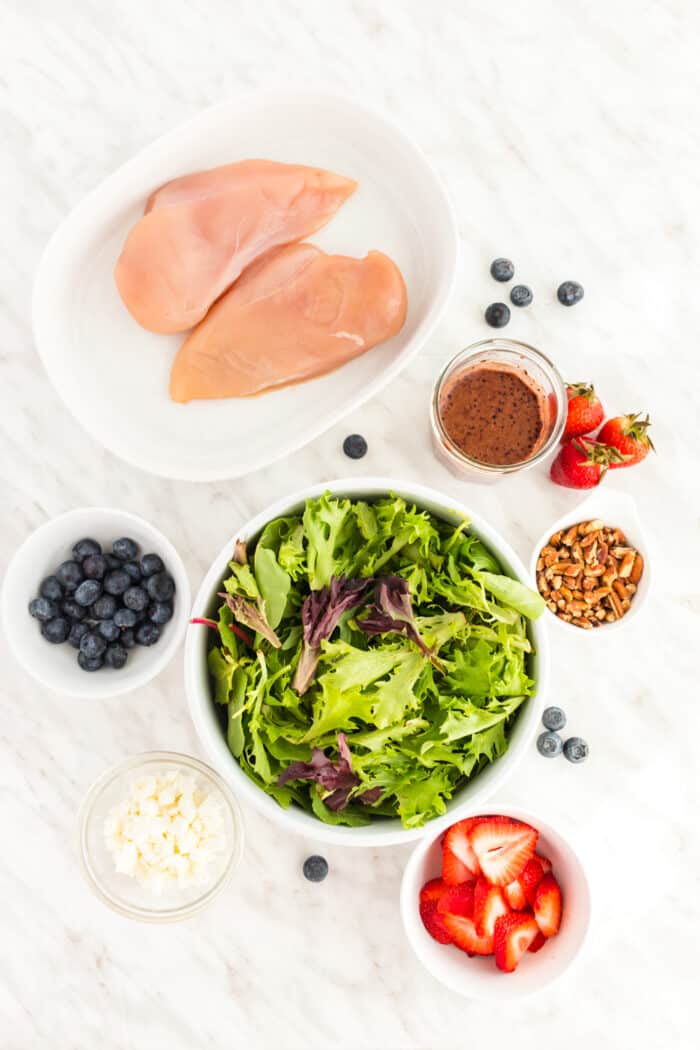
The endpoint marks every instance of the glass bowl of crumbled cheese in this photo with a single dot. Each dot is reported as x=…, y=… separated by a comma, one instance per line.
x=160, y=836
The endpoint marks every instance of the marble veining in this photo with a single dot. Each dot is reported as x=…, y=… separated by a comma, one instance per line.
x=568, y=137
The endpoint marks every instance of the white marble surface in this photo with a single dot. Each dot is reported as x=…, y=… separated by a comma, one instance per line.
x=568, y=136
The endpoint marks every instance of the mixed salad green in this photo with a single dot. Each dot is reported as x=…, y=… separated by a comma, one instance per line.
x=369, y=659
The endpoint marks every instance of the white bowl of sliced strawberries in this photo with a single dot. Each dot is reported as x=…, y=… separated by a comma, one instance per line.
x=498, y=905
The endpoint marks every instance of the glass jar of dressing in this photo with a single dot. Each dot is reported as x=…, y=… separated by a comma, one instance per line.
x=498, y=407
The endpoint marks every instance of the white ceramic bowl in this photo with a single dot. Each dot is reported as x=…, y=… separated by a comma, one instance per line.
x=616, y=509
x=124, y=894
x=91, y=347
x=202, y=707
x=478, y=977
x=55, y=666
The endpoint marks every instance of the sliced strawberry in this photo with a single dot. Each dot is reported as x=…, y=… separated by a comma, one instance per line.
x=454, y=870
x=512, y=937
x=530, y=878
x=433, y=922
x=545, y=862
x=502, y=848
x=457, y=840
x=489, y=905
x=464, y=935
x=433, y=891
x=515, y=895
x=547, y=906
x=458, y=900
x=538, y=942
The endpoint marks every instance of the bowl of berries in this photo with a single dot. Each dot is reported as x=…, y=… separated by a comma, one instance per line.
x=95, y=602
x=496, y=906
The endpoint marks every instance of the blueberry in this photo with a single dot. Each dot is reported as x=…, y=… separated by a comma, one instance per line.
x=43, y=609
x=151, y=564
x=89, y=664
x=84, y=548
x=553, y=718
x=88, y=592
x=497, y=315
x=502, y=270
x=93, y=645
x=135, y=598
x=76, y=633
x=69, y=575
x=521, y=295
x=95, y=566
x=125, y=549
x=112, y=562
x=51, y=589
x=56, y=630
x=355, y=446
x=127, y=639
x=116, y=656
x=108, y=630
x=160, y=612
x=147, y=634
x=134, y=570
x=104, y=608
x=549, y=744
x=569, y=293
x=73, y=610
x=575, y=749
x=117, y=581
x=315, y=868
x=160, y=587
x=125, y=618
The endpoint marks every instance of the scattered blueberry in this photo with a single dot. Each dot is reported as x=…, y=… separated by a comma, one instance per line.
x=147, y=634
x=51, y=589
x=521, y=295
x=160, y=613
x=95, y=566
x=553, y=718
x=76, y=633
x=497, y=315
x=125, y=549
x=134, y=570
x=117, y=581
x=73, y=610
x=125, y=618
x=549, y=744
x=88, y=592
x=69, y=575
x=127, y=639
x=355, y=446
x=116, y=656
x=90, y=664
x=502, y=270
x=575, y=749
x=135, y=598
x=104, y=608
x=56, y=630
x=84, y=548
x=93, y=645
x=160, y=587
x=151, y=564
x=569, y=293
x=43, y=609
x=109, y=630
x=315, y=868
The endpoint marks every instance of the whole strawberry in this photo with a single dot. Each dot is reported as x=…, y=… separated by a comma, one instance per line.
x=629, y=435
x=582, y=463
x=584, y=413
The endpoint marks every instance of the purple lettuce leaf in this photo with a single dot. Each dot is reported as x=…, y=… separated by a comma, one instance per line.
x=336, y=777
x=392, y=612
x=252, y=616
x=320, y=614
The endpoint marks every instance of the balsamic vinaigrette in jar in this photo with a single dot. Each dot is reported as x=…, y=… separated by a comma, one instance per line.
x=495, y=414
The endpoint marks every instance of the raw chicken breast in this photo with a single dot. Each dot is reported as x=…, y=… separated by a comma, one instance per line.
x=201, y=231
x=294, y=314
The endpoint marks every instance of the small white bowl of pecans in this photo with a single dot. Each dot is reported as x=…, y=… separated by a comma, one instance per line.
x=592, y=566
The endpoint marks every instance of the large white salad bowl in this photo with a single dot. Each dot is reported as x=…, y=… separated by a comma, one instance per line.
x=383, y=832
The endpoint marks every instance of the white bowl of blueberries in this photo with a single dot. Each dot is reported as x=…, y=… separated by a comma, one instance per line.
x=95, y=602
